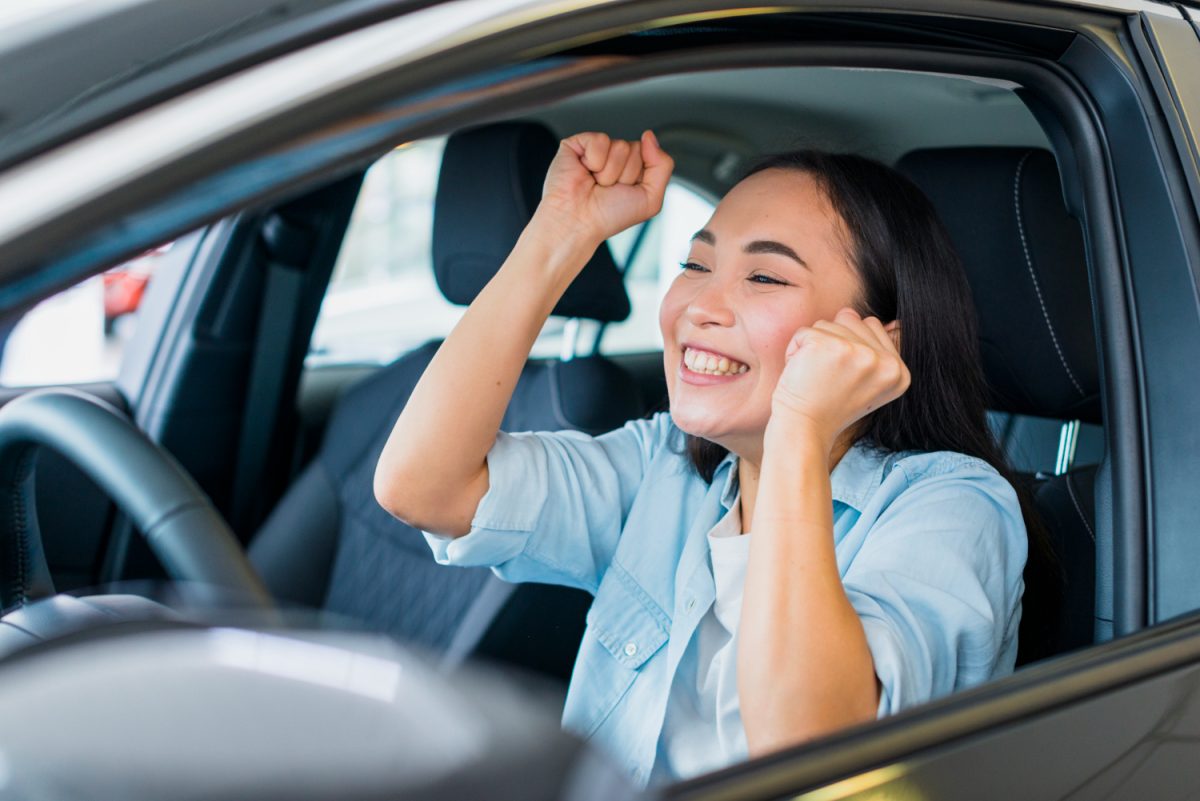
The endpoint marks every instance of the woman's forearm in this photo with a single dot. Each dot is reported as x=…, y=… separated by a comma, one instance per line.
x=804, y=668
x=433, y=469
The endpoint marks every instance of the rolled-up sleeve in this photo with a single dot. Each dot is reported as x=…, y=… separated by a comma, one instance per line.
x=555, y=505
x=937, y=585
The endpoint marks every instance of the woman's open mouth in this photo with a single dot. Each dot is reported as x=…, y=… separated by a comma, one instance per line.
x=704, y=368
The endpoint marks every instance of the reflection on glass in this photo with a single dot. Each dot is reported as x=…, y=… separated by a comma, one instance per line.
x=309, y=662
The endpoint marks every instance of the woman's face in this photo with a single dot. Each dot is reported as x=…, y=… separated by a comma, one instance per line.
x=773, y=258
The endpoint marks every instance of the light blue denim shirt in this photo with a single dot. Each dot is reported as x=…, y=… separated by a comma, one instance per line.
x=931, y=548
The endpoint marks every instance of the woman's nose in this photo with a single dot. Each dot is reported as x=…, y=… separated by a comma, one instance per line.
x=710, y=305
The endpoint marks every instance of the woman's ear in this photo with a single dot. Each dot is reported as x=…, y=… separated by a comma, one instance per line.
x=893, y=330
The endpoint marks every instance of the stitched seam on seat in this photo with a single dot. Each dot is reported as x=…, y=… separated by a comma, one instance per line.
x=1079, y=511
x=21, y=596
x=1033, y=275
x=21, y=527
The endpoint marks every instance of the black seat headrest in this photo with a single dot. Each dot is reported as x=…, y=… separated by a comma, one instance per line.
x=490, y=183
x=1024, y=257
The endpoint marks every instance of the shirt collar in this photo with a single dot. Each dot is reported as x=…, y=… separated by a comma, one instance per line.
x=729, y=490
x=860, y=472
x=853, y=480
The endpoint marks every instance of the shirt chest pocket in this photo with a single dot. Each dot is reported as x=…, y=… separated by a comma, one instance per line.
x=625, y=628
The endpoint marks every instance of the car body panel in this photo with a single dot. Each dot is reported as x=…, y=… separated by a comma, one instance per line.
x=1048, y=717
x=130, y=54
x=1158, y=218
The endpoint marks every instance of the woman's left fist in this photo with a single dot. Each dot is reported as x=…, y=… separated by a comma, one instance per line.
x=839, y=371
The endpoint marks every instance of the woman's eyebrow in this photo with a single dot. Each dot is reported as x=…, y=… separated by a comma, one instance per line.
x=778, y=248
x=757, y=246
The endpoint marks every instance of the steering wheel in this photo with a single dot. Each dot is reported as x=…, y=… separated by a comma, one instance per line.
x=163, y=502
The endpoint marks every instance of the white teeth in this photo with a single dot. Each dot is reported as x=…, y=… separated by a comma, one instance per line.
x=712, y=364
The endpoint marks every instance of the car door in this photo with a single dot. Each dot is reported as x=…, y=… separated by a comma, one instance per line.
x=1118, y=721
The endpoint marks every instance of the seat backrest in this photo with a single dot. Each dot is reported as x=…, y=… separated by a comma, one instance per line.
x=329, y=544
x=1024, y=258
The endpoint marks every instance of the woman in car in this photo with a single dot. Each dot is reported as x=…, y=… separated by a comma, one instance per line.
x=825, y=394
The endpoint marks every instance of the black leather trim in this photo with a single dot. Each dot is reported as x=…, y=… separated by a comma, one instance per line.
x=24, y=574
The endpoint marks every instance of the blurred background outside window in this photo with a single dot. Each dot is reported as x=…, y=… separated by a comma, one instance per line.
x=383, y=299
x=79, y=335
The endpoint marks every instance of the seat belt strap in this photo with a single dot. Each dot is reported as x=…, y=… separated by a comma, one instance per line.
x=474, y=624
x=288, y=248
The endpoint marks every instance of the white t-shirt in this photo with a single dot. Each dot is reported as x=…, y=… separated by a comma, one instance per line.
x=702, y=730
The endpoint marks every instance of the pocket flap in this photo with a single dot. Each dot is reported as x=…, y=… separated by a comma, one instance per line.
x=626, y=620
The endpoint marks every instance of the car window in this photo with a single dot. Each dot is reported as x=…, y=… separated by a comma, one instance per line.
x=383, y=299
x=79, y=335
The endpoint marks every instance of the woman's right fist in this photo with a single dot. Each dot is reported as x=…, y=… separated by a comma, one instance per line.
x=597, y=186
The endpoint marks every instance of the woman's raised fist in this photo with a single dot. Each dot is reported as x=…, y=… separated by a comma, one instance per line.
x=598, y=186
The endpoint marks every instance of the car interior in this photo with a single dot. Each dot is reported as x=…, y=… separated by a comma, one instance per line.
x=220, y=369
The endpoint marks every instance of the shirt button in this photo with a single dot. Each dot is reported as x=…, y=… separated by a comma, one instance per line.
x=630, y=648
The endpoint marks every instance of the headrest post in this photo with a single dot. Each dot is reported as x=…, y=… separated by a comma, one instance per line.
x=570, y=339
x=1068, y=438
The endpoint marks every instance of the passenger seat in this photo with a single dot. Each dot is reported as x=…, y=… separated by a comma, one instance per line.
x=1024, y=259
x=328, y=544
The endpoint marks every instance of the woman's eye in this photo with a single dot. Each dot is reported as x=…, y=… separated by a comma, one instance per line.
x=692, y=266
x=766, y=279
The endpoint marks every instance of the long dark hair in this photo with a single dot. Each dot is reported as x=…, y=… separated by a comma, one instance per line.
x=910, y=272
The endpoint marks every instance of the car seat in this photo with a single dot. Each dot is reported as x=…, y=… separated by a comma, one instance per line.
x=328, y=543
x=1024, y=258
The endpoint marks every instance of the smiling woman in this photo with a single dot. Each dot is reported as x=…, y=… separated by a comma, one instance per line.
x=886, y=562
x=764, y=287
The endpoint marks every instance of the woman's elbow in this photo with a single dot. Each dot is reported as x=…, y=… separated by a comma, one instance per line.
x=386, y=487
x=417, y=503
x=400, y=490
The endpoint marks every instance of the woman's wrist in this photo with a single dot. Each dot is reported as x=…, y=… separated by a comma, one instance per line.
x=797, y=432
x=566, y=239
x=545, y=265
